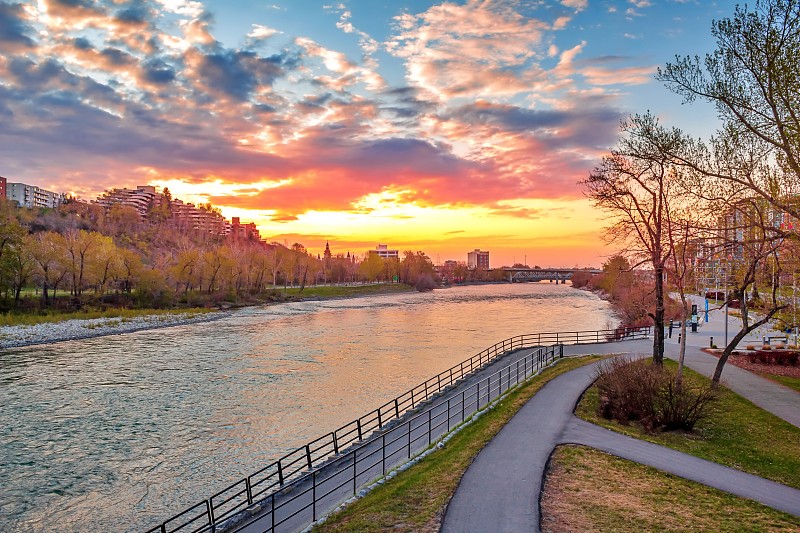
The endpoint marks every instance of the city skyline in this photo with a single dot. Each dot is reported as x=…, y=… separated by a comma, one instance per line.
x=431, y=126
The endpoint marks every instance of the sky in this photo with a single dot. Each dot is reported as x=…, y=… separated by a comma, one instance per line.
x=434, y=126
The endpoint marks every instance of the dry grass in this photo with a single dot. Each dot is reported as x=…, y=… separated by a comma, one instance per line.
x=587, y=490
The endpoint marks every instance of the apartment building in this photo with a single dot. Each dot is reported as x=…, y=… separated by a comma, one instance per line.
x=478, y=259
x=32, y=196
x=383, y=251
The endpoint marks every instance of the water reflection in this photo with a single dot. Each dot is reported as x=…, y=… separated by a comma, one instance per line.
x=119, y=432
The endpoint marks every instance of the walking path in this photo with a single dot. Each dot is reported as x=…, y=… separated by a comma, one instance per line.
x=501, y=489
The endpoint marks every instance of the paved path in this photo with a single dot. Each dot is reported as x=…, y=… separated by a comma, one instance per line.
x=501, y=489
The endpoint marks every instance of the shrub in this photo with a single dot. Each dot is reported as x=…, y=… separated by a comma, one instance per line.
x=641, y=391
x=766, y=347
x=749, y=347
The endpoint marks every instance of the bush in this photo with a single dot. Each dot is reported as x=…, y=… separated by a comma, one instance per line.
x=778, y=357
x=647, y=393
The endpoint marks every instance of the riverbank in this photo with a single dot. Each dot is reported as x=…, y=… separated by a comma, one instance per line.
x=75, y=329
x=18, y=336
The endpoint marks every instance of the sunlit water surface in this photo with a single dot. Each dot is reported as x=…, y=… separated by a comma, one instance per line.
x=120, y=432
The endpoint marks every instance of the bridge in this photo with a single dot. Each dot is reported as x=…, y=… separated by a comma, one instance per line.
x=541, y=274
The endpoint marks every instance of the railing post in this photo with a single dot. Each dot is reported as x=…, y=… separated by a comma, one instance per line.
x=396, y=408
x=355, y=474
x=280, y=473
x=273, y=512
x=335, y=443
x=463, y=396
x=448, y=415
x=380, y=421
x=163, y=528
x=409, y=439
x=451, y=375
x=314, y=496
x=412, y=398
x=429, y=425
x=426, y=390
x=308, y=456
x=439, y=381
x=383, y=453
x=210, y=511
x=249, y=490
x=478, y=405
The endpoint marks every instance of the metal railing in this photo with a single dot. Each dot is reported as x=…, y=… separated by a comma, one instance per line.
x=298, y=467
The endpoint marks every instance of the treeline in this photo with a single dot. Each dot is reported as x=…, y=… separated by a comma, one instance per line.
x=629, y=290
x=84, y=254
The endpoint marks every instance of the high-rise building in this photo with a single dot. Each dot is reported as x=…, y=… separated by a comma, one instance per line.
x=478, y=260
x=32, y=196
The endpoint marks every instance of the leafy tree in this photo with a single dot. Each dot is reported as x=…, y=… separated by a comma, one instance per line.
x=48, y=250
x=372, y=267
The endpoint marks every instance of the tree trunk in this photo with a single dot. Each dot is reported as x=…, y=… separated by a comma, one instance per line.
x=682, y=349
x=658, y=318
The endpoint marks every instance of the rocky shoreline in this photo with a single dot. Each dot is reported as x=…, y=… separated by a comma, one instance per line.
x=19, y=336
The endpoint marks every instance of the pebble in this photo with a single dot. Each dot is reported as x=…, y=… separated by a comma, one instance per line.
x=17, y=336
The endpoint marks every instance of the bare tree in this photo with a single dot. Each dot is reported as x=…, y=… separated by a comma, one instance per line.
x=633, y=184
x=753, y=80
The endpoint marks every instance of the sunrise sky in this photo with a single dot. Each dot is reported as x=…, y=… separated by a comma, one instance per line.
x=430, y=126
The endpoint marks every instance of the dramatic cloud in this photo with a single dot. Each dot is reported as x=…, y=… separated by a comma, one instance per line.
x=460, y=105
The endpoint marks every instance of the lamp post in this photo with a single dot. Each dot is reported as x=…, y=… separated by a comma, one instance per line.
x=726, y=307
x=794, y=305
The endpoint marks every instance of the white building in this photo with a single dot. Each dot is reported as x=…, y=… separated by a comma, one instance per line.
x=32, y=196
x=383, y=252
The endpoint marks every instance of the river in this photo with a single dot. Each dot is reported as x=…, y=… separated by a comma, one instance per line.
x=118, y=433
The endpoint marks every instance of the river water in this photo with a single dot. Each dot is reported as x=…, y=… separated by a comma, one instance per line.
x=118, y=433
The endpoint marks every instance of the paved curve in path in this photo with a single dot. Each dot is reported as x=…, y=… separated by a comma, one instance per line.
x=501, y=489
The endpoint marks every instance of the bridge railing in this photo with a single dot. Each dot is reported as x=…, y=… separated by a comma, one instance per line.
x=205, y=515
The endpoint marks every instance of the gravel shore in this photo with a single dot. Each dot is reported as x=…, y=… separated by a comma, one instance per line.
x=17, y=336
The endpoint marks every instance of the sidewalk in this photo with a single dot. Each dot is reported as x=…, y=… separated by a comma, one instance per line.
x=501, y=489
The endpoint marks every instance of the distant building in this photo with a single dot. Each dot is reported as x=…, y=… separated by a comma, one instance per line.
x=382, y=250
x=140, y=198
x=32, y=196
x=2, y=187
x=243, y=231
x=478, y=260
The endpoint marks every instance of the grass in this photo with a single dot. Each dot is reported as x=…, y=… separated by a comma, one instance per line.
x=415, y=499
x=789, y=381
x=13, y=319
x=588, y=490
x=737, y=434
x=342, y=291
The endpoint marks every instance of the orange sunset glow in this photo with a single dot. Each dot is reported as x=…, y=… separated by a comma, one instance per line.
x=433, y=126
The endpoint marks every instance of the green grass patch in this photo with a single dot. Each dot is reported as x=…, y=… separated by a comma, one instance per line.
x=789, y=381
x=15, y=319
x=588, y=490
x=415, y=499
x=737, y=434
x=344, y=291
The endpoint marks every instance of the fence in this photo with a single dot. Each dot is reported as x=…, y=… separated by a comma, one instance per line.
x=295, y=472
